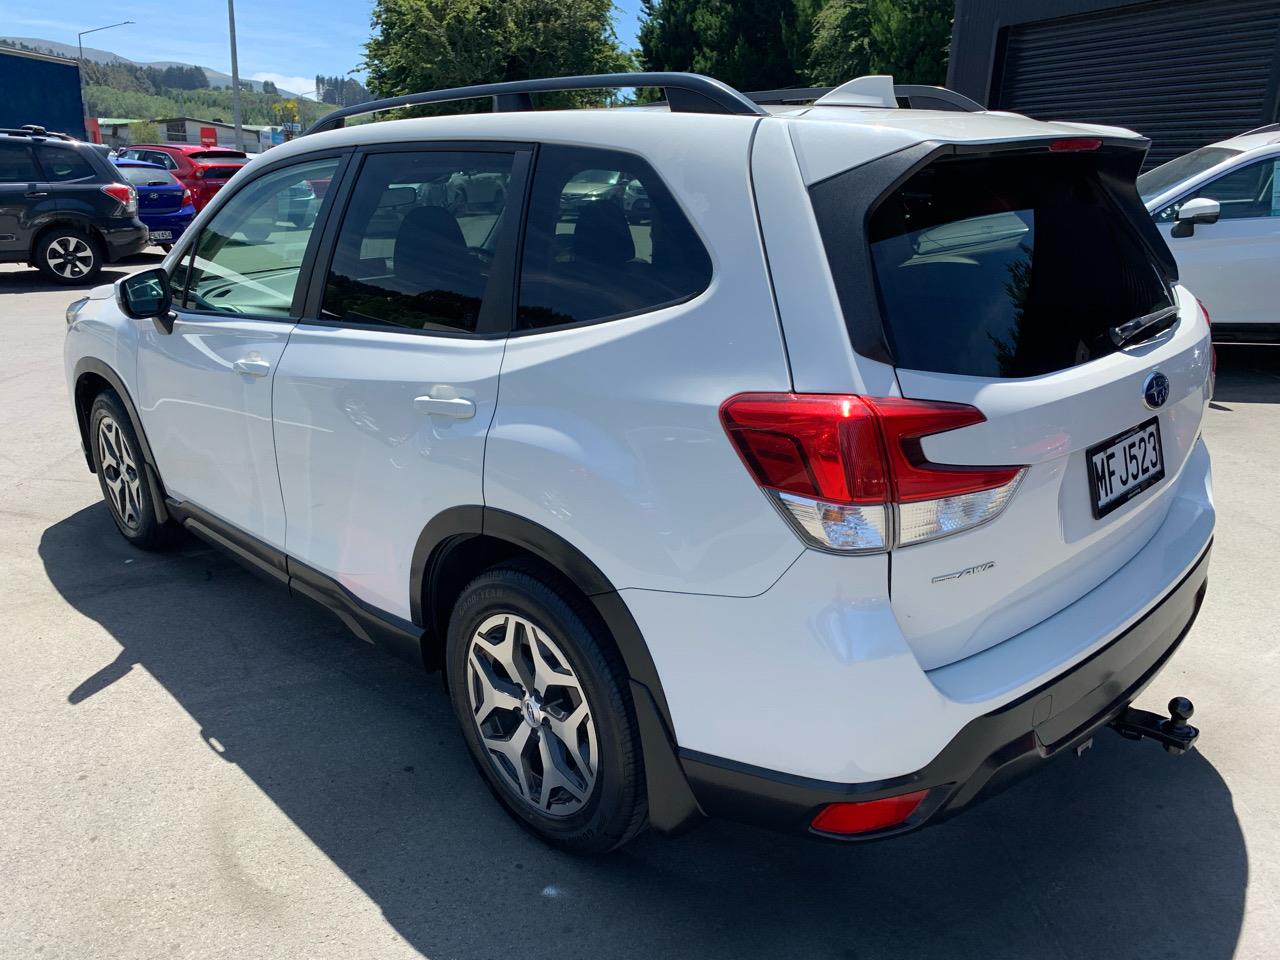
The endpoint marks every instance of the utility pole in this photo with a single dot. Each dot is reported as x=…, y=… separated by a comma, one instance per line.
x=84, y=106
x=235, y=76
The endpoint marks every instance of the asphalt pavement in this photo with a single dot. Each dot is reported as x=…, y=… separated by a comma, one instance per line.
x=193, y=764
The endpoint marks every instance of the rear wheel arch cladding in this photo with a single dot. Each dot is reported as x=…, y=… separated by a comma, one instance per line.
x=672, y=806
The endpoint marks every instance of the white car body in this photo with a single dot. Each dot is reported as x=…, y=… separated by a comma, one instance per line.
x=1230, y=264
x=771, y=661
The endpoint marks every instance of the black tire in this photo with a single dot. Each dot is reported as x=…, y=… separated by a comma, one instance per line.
x=118, y=462
x=616, y=809
x=70, y=256
x=166, y=247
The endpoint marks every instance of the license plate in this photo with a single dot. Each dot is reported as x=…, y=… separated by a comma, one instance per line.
x=161, y=234
x=1122, y=467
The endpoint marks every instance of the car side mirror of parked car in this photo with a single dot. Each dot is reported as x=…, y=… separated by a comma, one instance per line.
x=1202, y=210
x=145, y=295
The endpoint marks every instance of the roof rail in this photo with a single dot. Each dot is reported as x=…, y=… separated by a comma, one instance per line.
x=1267, y=128
x=685, y=93
x=33, y=130
x=918, y=96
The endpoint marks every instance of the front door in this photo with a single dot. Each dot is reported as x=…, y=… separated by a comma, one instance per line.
x=205, y=384
x=385, y=393
x=1231, y=265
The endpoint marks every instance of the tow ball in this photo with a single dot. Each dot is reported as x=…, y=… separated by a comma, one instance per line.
x=1172, y=732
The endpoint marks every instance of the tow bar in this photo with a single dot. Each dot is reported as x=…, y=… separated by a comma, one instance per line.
x=1173, y=732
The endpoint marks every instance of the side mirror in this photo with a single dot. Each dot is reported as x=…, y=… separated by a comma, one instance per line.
x=145, y=295
x=1201, y=210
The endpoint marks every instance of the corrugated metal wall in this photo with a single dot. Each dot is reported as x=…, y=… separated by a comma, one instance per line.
x=1182, y=72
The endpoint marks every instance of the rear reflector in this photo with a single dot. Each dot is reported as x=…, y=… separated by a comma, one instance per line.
x=851, y=818
x=837, y=465
x=1075, y=144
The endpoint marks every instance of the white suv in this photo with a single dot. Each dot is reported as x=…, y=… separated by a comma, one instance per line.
x=862, y=465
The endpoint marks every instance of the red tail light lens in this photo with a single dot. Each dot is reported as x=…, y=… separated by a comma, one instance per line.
x=1213, y=351
x=838, y=464
x=124, y=193
x=853, y=818
x=186, y=196
x=1075, y=144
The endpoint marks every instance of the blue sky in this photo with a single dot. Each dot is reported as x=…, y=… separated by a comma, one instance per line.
x=288, y=41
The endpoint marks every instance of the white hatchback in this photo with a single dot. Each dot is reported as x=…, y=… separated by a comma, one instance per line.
x=857, y=465
x=1219, y=209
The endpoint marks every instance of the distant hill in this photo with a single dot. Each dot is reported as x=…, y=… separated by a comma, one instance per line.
x=217, y=79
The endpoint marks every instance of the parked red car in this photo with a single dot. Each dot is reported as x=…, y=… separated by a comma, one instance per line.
x=202, y=170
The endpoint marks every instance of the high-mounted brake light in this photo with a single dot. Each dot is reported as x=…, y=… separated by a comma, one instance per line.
x=124, y=193
x=842, y=467
x=1075, y=145
x=869, y=815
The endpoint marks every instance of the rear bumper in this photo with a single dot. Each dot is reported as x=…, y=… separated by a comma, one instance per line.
x=1013, y=739
x=175, y=222
x=124, y=238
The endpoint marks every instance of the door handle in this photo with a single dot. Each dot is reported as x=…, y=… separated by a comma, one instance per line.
x=460, y=408
x=253, y=366
x=36, y=193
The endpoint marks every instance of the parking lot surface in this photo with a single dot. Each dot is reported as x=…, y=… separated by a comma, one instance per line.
x=196, y=765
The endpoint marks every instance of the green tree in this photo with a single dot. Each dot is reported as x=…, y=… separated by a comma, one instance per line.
x=841, y=47
x=911, y=39
x=432, y=44
x=749, y=44
x=144, y=131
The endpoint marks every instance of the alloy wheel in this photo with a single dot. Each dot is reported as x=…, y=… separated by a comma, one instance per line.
x=120, y=473
x=70, y=257
x=532, y=715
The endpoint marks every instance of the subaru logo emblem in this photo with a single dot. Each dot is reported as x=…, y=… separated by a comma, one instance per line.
x=1155, y=389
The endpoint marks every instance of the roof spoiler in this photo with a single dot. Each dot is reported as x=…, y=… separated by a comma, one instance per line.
x=871, y=91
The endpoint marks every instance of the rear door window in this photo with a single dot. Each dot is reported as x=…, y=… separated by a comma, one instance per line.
x=1006, y=266
x=418, y=240
x=605, y=238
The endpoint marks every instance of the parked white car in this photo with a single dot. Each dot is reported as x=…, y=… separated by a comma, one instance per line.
x=863, y=468
x=1219, y=209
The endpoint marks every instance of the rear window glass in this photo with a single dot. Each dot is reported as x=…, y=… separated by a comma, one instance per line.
x=220, y=173
x=219, y=155
x=605, y=238
x=1007, y=267
x=147, y=176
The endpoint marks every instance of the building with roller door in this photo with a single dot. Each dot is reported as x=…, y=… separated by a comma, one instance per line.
x=1182, y=72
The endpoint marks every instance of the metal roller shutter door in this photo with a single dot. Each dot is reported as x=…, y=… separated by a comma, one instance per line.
x=1182, y=72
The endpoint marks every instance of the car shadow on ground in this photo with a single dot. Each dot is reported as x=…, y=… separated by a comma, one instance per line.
x=1125, y=852
x=1247, y=374
x=24, y=279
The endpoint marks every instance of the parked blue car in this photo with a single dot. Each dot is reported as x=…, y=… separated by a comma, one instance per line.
x=164, y=204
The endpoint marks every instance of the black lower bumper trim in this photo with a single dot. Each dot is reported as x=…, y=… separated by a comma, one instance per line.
x=1041, y=724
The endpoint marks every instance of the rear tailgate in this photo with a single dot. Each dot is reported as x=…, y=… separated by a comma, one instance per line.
x=1047, y=548
x=1003, y=280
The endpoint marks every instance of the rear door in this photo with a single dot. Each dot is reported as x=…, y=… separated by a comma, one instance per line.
x=1231, y=265
x=204, y=383
x=1000, y=279
x=385, y=394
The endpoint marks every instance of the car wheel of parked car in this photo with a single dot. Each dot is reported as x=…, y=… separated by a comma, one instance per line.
x=546, y=710
x=69, y=256
x=117, y=459
x=166, y=247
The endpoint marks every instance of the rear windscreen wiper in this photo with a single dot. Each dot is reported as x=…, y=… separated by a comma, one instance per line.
x=1150, y=323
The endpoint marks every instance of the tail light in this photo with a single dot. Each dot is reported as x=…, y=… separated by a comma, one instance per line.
x=850, y=473
x=1213, y=351
x=124, y=193
x=869, y=815
x=186, y=196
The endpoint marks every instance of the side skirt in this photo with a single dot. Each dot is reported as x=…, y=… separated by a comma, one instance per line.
x=368, y=623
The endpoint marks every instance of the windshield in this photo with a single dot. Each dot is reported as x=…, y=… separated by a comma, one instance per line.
x=1156, y=181
x=1007, y=267
x=148, y=176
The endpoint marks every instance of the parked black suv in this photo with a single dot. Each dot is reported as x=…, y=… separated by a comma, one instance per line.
x=63, y=206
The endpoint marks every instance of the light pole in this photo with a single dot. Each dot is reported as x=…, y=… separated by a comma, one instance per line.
x=235, y=75
x=84, y=107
